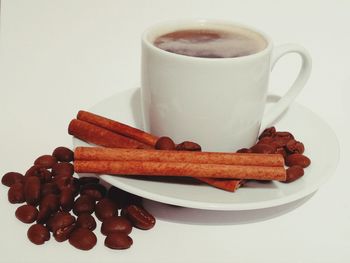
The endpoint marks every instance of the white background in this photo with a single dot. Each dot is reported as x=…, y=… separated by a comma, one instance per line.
x=61, y=56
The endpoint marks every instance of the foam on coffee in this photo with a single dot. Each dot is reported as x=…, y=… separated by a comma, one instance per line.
x=210, y=43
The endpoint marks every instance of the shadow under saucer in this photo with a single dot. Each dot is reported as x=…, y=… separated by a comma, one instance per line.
x=193, y=216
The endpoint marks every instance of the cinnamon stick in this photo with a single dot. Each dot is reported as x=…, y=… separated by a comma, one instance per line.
x=94, y=134
x=118, y=127
x=230, y=185
x=142, y=168
x=115, y=154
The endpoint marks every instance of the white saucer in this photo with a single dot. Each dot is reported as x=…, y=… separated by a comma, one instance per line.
x=303, y=123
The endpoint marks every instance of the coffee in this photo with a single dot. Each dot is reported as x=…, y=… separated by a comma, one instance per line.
x=208, y=43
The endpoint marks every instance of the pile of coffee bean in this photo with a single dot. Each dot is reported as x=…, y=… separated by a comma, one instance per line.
x=61, y=205
x=284, y=143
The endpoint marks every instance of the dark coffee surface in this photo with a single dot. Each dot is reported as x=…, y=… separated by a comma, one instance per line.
x=211, y=43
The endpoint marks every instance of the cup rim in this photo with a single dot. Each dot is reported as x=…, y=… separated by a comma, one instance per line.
x=186, y=23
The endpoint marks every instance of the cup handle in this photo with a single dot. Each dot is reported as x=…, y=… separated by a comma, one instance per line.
x=303, y=75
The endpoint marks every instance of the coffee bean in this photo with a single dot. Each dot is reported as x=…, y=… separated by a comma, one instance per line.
x=26, y=213
x=33, y=171
x=268, y=132
x=262, y=148
x=266, y=140
x=282, y=138
x=37, y=171
x=116, y=195
x=49, y=188
x=88, y=180
x=281, y=151
x=60, y=220
x=43, y=215
x=62, y=225
x=63, y=234
x=118, y=240
x=83, y=239
x=32, y=190
x=49, y=204
x=63, y=154
x=66, y=199
x=84, y=204
x=95, y=191
x=46, y=161
x=116, y=224
x=294, y=146
x=16, y=193
x=63, y=169
x=67, y=182
x=10, y=178
x=50, y=201
x=165, y=143
x=86, y=221
x=298, y=159
x=38, y=234
x=189, y=146
x=105, y=208
x=294, y=173
x=244, y=150
x=139, y=217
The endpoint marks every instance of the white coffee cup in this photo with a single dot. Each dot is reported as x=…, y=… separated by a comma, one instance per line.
x=216, y=102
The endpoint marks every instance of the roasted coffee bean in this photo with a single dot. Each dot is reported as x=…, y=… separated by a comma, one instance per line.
x=42, y=173
x=49, y=204
x=266, y=140
x=281, y=151
x=297, y=159
x=294, y=173
x=32, y=190
x=116, y=195
x=268, y=132
x=38, y=234
x=118, y=240
x=66, y=182
x=263, y=148
x=10, y=178
x=139, y=217
x=46, y=161
x=83, y=204
x=189, y=146
x=244, y=150
x=49, y=188
x=16, y=193
x=116, y=224
x=165, y=143
x=63, y=169
x=33, y=171
x=122, y=198
x=88, y=180
x=294, y=146
x=50, y=201
x=105, y=208
x=282, y=138
x=60, y=220
x=83, y=238
x=86, y=221
x=62, y=225
x=66, y=199
x=76, y=186
x=63, y=234
x=63, y=154
x=43, y=215
x=95, y=191
x=26, y=213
